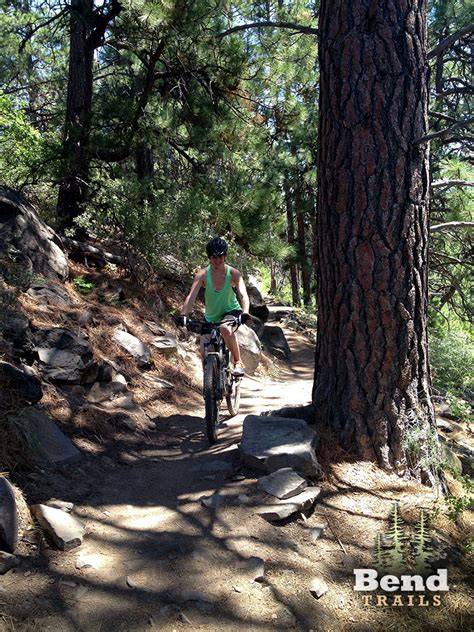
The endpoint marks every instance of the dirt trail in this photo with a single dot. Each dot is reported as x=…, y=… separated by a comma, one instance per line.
x=151, y=542
x=156, y=558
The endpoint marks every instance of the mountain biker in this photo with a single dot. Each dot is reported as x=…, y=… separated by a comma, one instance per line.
x=220, y=281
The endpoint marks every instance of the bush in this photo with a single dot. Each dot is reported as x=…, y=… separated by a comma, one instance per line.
x=452, y=362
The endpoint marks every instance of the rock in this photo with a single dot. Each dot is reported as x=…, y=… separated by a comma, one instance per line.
x=22, y=228
x=44, y=439
x=316, y=531
x=286, y=508
x=256, y=325
x=272, y=443
x=64, y=357
x=184, y=619
x=243, y=499
x=444, y=425
x=133, y=345
x=105, y=373
x=65, y=530
x=103, y=391
x=166, y=345
x=318, y=587
x=449, y=456
x=249, y=348
x=274, y=340
x=257, y=304
x=305, y=412
x=283, y=483
x=63, y=505
x=24, y=387
x=150, y=327
x=8, y=515
x=49, y=294
x=15, y=326
x=256, y=568
x=214, y=501
x=7, y=562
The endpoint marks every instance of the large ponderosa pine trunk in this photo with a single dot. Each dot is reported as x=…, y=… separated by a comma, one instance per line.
x=372, y=378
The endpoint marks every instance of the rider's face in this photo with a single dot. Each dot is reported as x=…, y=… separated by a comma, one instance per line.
x=217, y=261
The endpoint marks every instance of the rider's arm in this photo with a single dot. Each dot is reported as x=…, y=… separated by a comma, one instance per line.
x=242, y=293
x=198, y=282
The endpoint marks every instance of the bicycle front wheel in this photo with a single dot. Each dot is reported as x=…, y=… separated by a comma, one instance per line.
x=210, y=397
x=233, y=398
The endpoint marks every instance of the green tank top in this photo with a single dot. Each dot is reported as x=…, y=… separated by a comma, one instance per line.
x=219, y=302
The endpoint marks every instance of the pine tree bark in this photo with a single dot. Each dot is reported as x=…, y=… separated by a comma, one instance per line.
x=73, y=187
x=290, y=233
x=87, y=29
x=372, y=378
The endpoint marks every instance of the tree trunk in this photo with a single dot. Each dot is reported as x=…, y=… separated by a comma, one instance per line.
x=304, y=262
x=295, y=292
x=73, y=187
x=372, y=382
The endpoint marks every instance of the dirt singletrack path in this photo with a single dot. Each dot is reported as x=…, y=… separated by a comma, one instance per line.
x=155, y=557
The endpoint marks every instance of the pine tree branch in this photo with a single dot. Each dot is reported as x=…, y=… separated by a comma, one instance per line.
x=299, y=28
x=449, y=41
x=451, y=183
x=32, y=29
x=437, y=228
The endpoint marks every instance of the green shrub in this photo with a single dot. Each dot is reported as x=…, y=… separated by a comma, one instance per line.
x=452, y=362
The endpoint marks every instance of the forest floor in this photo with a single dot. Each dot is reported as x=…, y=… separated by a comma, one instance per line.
x=155, y=558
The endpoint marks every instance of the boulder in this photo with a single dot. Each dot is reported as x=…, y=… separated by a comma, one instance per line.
x=65, y=530
x=8, y=516
x=64, y=357
x=21, y=227
x=272, y=443
x=43, y=438
x=257, y=304
x=274, y=340
x=19, y=385
x=249, y=348
x=49, y=293
x=14, y=326
x=7, y=562
x=133, y=346
x=256, y=325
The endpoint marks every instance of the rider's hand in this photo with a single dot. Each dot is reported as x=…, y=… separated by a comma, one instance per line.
x=181, y=320
x=245, y=317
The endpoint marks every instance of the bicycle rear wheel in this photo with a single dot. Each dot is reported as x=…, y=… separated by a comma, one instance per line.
x=210, y=397
x=233, y=398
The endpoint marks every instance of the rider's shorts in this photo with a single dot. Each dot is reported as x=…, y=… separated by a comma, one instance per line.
x=205, y=337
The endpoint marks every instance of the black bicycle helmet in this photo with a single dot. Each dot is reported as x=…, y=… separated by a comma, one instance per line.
x=216, y=247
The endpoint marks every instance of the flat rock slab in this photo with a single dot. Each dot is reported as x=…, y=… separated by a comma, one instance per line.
x=8, y=515
x=271, y=443
x=133, y=345
x=167, y=344
x=65, y=530
x=283, y=483
x=285, y=508
x=45, y=440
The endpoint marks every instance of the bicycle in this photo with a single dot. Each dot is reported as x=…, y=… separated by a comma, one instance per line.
x=219, y=381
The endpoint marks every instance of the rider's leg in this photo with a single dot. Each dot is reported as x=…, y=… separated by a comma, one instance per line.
x=205, y=338
x=230, y=339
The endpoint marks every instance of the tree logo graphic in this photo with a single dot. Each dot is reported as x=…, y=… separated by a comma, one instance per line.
x=397, y=551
